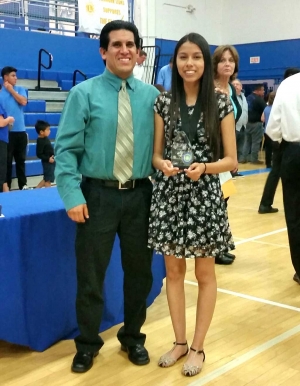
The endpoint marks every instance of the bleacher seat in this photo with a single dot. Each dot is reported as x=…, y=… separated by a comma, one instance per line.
x=51, y=118
x=35, y=106
x=66, y=85
x=32, y=134
x=33, y=168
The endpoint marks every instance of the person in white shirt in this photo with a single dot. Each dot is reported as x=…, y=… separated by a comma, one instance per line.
x=284, y=127
x=243, y=120
x=138, y=71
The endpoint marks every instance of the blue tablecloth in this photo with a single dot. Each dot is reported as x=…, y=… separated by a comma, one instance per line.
x=37, y=272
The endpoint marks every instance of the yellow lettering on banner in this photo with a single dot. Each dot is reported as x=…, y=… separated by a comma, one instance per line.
x=108, y=1
x=120, y=2
x=103, y=20
x=113, y=11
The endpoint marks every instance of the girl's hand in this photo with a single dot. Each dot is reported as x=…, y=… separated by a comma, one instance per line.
x=195, y=171
x=168, y=169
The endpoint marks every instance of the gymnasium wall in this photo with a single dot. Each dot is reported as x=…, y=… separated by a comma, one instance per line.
x=20, y=49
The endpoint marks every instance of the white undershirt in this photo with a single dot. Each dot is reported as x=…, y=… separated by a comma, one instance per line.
x=138, y=71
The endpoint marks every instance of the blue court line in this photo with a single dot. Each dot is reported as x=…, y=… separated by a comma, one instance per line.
x=255, y=171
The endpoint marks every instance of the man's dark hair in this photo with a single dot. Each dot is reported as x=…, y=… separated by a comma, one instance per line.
x=116, y=25
x=258, y=86
x=290, y=71
x=41, y=126
x=7, y=70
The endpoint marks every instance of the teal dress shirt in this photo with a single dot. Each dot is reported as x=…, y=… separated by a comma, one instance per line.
x=86, y=138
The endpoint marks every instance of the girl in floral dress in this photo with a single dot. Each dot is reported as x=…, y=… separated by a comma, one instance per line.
x=188, y=213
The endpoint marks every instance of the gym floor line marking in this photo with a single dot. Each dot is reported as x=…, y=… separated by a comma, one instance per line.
x=249, y=297
x=260, y=236
x=246, y=357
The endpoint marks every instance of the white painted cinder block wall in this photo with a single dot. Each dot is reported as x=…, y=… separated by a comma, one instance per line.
x=220, y=21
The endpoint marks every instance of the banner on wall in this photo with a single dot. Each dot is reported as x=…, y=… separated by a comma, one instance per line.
x=94, y=14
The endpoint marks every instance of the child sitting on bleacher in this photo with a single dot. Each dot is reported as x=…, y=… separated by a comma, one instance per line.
x=44, y=151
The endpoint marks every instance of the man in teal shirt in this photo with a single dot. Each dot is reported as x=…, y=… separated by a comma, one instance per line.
x=102, y=204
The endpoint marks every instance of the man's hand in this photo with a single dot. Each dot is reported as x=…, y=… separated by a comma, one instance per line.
x=51, y=159
x=195, y=171
x=79, y=213
x=8, y=86
x=168, y=169
x=11, y=120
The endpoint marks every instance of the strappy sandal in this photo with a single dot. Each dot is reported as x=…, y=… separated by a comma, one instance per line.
x=191, y=370
x=167, y=361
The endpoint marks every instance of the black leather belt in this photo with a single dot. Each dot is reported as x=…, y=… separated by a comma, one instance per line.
x=130, y=184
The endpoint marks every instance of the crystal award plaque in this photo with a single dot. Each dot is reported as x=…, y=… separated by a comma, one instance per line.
x=182, y=155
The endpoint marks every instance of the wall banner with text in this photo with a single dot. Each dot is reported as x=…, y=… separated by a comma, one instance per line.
x=94, y=14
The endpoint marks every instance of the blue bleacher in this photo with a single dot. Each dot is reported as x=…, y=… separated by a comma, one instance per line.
x=37, y=106
x=32, y=134
x=52, y=118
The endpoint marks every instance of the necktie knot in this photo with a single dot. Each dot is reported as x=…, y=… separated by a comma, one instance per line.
x=123, y=85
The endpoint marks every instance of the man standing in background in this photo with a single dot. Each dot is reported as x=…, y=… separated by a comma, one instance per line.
x=254, y=128
x=164, y=77
x=240, y=125
x=138, y=71
x=13, y=99
x=284, y=127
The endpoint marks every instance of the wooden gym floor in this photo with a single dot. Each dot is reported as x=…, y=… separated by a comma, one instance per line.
x=254, y=337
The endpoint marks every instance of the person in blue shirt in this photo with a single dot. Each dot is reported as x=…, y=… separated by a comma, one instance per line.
x=103, y=202
x=4, y=122
x=13, y=99
x=164, y=77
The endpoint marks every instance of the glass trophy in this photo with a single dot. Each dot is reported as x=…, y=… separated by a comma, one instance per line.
x=182, y=155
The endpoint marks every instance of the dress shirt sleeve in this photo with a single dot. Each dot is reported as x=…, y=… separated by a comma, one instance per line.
x=69, y=147
x=273, y=129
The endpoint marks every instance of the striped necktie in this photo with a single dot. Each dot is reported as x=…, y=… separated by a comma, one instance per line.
x=124, y=143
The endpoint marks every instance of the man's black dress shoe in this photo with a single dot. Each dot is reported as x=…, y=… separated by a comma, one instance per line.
x=266, y=209
x=223, y=260
x=296, y=278
x=137, y=354
x=83, y=361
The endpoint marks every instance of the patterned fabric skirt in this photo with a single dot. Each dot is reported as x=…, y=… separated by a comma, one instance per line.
x=188, y=219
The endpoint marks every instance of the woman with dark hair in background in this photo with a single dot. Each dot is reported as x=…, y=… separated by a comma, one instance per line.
x=188, y=212
x=226, y=65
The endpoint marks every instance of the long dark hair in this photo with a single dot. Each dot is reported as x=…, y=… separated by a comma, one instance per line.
x=207, y=97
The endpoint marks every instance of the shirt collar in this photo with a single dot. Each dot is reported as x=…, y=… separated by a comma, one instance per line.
x=116, y=82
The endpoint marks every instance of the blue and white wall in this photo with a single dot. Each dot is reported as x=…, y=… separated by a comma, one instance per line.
x=269, y=29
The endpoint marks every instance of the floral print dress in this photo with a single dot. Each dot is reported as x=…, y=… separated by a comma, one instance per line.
x=188, y=219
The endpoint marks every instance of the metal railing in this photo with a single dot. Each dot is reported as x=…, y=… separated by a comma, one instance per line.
x=75, y=76
x=53, y=16
x=40, y=65
x=151, y=63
